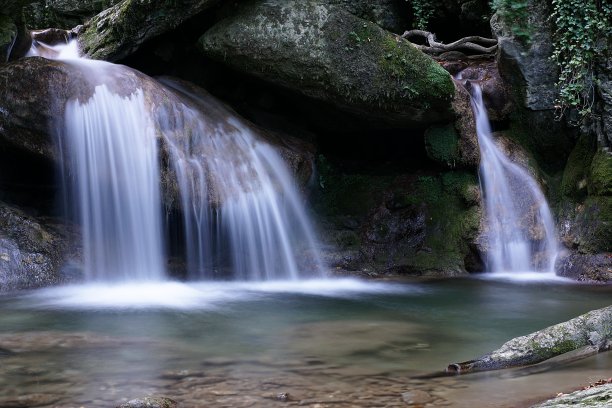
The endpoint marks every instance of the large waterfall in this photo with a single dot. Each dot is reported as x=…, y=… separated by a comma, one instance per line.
x=242, y=213
x=520, y=228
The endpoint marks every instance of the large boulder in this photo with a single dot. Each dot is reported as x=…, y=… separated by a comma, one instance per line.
x=33, y=253
x=120, y=30
x=324, y=52
x=38, y=89
x=63, y=13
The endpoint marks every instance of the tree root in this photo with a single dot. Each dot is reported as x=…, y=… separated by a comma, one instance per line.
x=473, y=43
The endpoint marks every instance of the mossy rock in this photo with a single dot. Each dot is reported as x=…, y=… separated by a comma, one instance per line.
x=442, y=145
x=577, y=169
x=327, y=53
x=120, y=30
x=64, y=14
x=600, y=180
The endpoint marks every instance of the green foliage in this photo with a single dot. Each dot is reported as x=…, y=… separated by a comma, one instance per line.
x=422, y=11
x=516, y=13
x=581, y=27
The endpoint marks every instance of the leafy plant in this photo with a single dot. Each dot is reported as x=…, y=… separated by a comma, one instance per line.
x=422, y=11
x=581, y=30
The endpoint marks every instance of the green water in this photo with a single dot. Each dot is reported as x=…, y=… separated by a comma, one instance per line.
x=243, y=345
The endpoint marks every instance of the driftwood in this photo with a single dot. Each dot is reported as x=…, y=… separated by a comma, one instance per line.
x=473, y=43
x=575, y=339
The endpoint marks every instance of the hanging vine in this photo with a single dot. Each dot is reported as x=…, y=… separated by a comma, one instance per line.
x=582, y=29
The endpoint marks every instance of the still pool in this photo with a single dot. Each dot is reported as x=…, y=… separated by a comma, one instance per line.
x=326, y=343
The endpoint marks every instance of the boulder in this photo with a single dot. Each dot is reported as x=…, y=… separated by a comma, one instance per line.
x=37, y=90
x=590, y=329
x=63, y=14
x=324, y=52
x=33, y=253
x=120, y=30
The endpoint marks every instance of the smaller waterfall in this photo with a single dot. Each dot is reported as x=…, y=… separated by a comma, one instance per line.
x=520, y=227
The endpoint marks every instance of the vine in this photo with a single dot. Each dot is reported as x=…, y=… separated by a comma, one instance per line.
x=422, y=10
x=582, y=28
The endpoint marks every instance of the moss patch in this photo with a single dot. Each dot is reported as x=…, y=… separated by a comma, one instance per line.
x=575, y=175
x=600, y=180
x=442, y=145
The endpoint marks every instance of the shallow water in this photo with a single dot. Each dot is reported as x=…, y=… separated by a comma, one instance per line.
x=338, y=343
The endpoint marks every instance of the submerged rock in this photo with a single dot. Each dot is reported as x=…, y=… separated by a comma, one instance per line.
x=591, y=329
x=150, y=402
x=324, y=52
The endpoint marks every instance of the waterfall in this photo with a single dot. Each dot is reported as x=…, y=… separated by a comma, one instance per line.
x=241, y=210
x=113, y=160
x=520, y=228
x=236, y=193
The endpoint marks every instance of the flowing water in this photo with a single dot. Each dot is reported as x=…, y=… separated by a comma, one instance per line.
x=521, y=233
x=242, y=210
x=333, y=343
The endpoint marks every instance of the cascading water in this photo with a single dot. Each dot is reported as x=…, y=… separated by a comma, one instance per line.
x=520, y=227
x=241, y=209
x=237, y=193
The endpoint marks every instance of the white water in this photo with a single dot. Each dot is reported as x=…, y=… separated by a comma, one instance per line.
x=237, y=194
x=242, y=211
x=520, y=227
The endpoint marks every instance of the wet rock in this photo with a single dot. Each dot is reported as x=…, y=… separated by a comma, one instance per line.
x=598, y=396
x=120, y=30
x=494, y=92
x=37, y=90
x=416, y=397
x=32, y=253
x=150, y=402
x=324, y=52
x=587, y=226
x=590, y=329
x=586, y=268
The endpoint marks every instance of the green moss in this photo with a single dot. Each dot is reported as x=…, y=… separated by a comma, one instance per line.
x=565, y=346
x=596, y=217
x=442, y=145
x=600, y=178
x=576, y=171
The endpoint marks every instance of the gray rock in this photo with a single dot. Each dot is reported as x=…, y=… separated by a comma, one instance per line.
x=324, y=52
x=118, y=31
x=592, y=328
x=33, y=253
x=586, y=268
x=389, y=14
x=593, y=397
x=529, y=66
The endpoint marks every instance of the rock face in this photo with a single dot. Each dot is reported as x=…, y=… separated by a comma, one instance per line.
x=425, y=225
x=591, y=329
x=389, y=14
x=120, y=30
x=324, y=52
x=586, y=268
x=63, y=13
x=33, y=254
